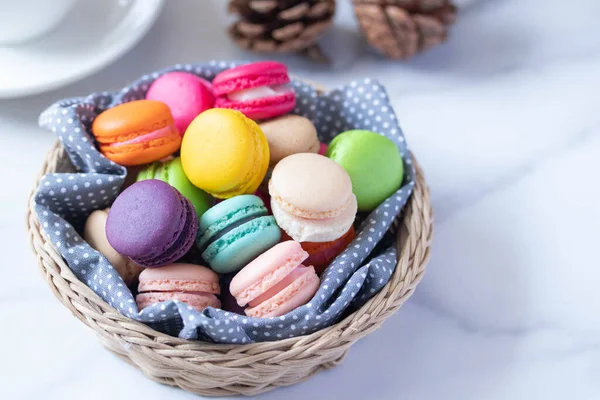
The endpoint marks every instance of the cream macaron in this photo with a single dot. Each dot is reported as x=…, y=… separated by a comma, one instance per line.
x=311, y=198
x=289, y=134
x=94, y=234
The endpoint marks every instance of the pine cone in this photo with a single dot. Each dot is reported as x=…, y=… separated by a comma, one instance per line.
x=402, y=28
x=270, y=26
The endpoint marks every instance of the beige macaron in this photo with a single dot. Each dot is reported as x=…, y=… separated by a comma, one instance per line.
x=94, y=234
x=289, y=134
x=311, y=198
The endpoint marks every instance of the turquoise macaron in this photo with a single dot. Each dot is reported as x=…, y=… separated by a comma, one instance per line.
x=235, y=231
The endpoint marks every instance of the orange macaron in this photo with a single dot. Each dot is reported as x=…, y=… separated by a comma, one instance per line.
x=137, y=132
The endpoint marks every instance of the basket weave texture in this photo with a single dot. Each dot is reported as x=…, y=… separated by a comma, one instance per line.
x=222, y=370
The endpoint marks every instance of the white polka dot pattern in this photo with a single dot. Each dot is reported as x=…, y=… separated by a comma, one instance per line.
x=64, y=200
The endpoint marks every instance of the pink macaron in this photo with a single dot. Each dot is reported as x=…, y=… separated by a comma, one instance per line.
x=276, y=282
x=187, y=95
x=192, y=284
x=323, y=148
x=259, y=90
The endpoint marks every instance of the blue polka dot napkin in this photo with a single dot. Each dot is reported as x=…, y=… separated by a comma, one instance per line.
x=64, y=200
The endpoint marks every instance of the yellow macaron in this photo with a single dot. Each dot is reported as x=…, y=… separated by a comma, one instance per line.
x=225, y=153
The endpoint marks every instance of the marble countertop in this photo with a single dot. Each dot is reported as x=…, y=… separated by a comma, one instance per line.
x=505, y=120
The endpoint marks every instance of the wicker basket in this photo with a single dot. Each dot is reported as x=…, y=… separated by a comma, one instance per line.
x=217, y=369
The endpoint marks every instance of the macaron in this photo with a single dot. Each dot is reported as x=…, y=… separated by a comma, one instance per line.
x=235, y=231
x=323, y=148
x=186, y=94
x=311, y=198
x=276, y=282
x=152, y=223
x=94, y=233
x=225, y=153
x=192, y=284
x=373, y=162
x=137, y=132
x=260, y=90
x=171, y=171
x=289, y=134
x=321, y=254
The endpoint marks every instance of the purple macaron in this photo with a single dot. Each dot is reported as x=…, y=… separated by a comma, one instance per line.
x=151, y=223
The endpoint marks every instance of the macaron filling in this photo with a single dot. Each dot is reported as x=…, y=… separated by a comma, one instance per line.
x=229, y=228
x=154, y=135
x=198, y=300
x=250, y=76
x=261, y=92
x=182, y=285
x=291, y=209
x=297, y=293
x=279, y=286
x=248, y=228
x=228, y=223
x=258, y=289
x=314, y=230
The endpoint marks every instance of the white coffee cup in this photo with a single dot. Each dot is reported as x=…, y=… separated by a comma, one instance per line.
x=24, y=20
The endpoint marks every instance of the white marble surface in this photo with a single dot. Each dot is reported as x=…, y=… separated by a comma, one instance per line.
x=506, y=122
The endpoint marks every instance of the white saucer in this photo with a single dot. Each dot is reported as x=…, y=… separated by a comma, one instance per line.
x=93, y=34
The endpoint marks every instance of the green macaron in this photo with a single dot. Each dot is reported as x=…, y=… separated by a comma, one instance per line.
x=171, y=172
x=373, y=162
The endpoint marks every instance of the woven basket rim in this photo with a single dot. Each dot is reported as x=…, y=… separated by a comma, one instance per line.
x=215, y=369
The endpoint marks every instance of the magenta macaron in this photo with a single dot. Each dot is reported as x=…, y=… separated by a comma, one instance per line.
x=276, y=282
x=187, y=95
x=259, y=90
x=151, y=223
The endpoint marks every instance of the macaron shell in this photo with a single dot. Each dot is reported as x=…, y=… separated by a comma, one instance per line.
x=143, y=153
x=315, y=230
x=135, y=119
x=184, y=242
x=264, y=73
x=279, y=286
x=179, y=277
x=173, y=174
x=293, y=296
x=171, y=171
x=373, y=162
x=261, y=109
x=323, y=148
x=186, y=94
x=266, y=271
x=310, y=186
x=290, y=134
x=145, y=218
x=231, y=209
x=226, y=214
x=199, y=301
x=94, y=234
x=225, y=153
x=241, y=245
x=130, y=120
x=149, y=172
